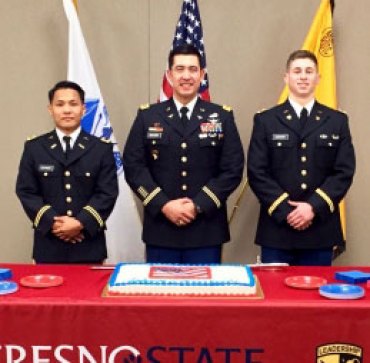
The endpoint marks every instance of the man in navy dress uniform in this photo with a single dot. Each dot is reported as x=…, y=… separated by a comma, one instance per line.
x=183, y=158
x=301, y=163
x=67, y=184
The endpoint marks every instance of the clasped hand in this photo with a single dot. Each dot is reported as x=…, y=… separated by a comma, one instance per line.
x=180, y=211
x=300, y=218
x=68, y=229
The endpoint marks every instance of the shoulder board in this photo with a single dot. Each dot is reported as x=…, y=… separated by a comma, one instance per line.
x=103, y=139
x=29, y=138
x=345, y=112
x=144, y=106
x=227, y=108
x=261, y=110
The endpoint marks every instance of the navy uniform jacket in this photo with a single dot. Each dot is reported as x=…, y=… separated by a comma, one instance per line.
x=315, y=165
x=204, y=162
x=84, y=187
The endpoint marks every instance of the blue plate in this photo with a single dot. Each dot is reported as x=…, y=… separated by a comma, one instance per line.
x=341, y=291
x=8, y=287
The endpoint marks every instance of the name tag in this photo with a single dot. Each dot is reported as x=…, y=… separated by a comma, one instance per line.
x=48, y=168
x=153, y=135
x=280, y=137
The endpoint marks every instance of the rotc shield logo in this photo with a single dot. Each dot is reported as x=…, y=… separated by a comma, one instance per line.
x=339, y=353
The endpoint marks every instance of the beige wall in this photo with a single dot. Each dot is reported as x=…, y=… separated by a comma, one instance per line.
x=247, y=42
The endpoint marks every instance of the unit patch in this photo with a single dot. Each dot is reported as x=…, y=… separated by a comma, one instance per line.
x=339, y=353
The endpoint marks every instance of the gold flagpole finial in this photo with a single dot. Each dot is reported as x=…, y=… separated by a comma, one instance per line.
x=75, y=3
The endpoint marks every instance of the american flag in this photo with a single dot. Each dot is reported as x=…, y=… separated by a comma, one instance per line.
x=180, y=272
x=188, y=31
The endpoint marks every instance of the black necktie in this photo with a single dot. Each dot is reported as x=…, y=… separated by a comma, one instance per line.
x=67, y=140
x=303, y=118
x=184, y=117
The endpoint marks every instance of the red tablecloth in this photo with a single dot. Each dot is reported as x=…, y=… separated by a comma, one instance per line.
x=73, y=323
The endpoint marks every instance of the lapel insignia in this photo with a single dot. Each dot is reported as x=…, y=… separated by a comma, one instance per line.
x=202, y=110
x=53, y=146
x=170, y=116
x=168, y=109
x=317, y=118
x=289, y=117
x=199, y=117
x=81, y=146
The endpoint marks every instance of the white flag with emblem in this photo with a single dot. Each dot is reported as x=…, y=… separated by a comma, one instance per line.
x=124, y=225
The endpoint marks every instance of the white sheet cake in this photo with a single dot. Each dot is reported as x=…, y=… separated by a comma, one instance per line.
x=176, y=279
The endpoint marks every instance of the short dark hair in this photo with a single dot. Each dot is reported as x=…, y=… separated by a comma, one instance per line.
x=65, y=85
x=185, y=49
x=301, y=54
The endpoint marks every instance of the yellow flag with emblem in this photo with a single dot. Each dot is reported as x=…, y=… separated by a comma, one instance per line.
x=319, y=40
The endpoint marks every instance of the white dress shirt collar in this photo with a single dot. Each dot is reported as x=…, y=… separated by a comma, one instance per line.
x=189, y=105
x=73, y=135
x=298, y=108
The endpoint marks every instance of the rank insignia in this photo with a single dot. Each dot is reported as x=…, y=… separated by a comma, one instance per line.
x=29, y=138
x=144, y=106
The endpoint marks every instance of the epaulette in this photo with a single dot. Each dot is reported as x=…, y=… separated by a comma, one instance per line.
x=144, y=106
x=345, y=112
x=227, y=108
x=29, y=138
x=104, y=139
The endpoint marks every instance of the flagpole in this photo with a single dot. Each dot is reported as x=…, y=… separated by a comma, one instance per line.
x=238, y=200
